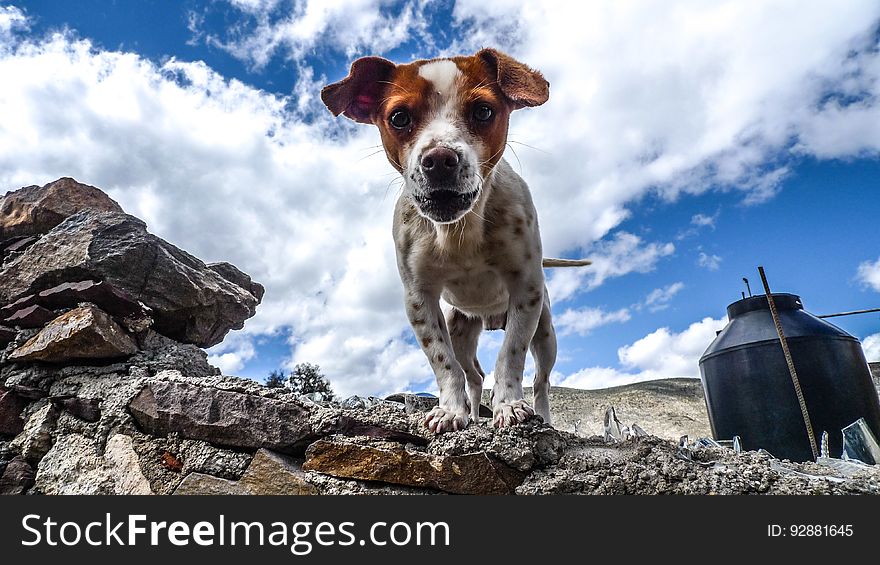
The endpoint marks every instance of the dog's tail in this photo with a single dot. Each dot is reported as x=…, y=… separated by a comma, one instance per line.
x=550, y=262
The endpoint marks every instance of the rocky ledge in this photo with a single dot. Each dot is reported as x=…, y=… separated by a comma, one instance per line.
x=104, y=389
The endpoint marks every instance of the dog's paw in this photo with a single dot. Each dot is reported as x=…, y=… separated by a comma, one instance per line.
x=511, y=413
x=440, y=420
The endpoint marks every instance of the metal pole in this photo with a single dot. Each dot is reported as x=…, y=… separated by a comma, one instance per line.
x=794, y=378
x=868, y=311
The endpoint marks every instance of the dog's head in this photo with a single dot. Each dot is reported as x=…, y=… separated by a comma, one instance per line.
x=443, y=122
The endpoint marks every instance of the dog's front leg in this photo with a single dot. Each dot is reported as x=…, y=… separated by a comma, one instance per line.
x=429, y=325
x=523, y=313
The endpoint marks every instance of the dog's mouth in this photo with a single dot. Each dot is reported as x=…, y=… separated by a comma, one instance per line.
x=444, y=206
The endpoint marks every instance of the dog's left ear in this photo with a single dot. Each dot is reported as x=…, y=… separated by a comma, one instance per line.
x=357, y=95
x=520, y=83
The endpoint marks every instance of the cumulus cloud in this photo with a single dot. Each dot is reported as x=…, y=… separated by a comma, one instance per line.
x=621, y=254
x=659, y=355
x=231, y=355
x=871, y=346
x=294, y=29
x=709, y=262
x=584, y=320
x=659, y=298
x=869, y=274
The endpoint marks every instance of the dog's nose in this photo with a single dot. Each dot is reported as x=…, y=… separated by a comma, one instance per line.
x=440, y=165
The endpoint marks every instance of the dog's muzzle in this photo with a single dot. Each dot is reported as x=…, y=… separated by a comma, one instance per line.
x=443, y=195
x=445, y=205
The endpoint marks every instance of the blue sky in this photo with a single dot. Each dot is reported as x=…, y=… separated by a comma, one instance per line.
x=683, y=145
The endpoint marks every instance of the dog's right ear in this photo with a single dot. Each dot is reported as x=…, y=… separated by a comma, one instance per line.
x=357, y=96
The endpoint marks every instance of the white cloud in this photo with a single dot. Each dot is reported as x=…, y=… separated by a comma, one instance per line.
x=296, y=29
x=659, y=298
x=871, y=346
x=869, y=274
x=231, y=355
x=702, y=220
x=710, y=262
x=661, y=354
x=584, y=320
x=12, y=19
x=622, y=254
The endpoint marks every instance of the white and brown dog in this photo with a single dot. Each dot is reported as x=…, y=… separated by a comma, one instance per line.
x=465, y=228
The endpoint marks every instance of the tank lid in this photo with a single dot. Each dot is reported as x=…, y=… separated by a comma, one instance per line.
x=783, y=301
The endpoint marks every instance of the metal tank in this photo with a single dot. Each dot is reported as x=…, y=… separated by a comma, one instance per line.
x=748, y=386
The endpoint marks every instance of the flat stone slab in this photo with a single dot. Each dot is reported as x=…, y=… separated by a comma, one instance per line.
x=83, y=333
x=221, y=417
x=249, y=421
x=471, y=473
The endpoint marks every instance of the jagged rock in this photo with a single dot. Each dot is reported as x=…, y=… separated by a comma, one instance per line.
x=234, y=275
x=191, y=303
x=202, y=484
x=249, y=421
x=17, y=478
x=272, y=473
x=224, y=418
x=35, y=440
x=83, y=333
x=75, y=466
x=11, y=407
x=471, y=473
x=7, y=335
x=30, y=317
x=35, y=210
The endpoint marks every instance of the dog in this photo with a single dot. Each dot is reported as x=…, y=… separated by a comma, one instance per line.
x=465, y=228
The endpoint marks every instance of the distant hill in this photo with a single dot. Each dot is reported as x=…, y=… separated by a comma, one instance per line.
x=667, y=408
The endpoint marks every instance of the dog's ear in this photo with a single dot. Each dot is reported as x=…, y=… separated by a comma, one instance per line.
x=523, y=85
x=357, y=95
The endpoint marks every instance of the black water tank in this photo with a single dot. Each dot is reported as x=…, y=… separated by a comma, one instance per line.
x=748, y=386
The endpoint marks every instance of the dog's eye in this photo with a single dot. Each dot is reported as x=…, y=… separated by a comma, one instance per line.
x=483, y=113
x=400, y=119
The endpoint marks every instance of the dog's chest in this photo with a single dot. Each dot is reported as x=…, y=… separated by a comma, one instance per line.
x=474, y=287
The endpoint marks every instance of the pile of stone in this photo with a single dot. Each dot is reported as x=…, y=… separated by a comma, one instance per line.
x=104, y=389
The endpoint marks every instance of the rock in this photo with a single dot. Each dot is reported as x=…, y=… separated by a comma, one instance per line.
x=17, y=478
x=83, y=333
x=191, y=303
x=74, y=466
x=225, y=418
x=30, y=317
x=7, y=335
x=87, y=409
x=71, y=294
x=13, y=245
x=472, y=473
x=35, y=440
x=268, y=474
x=271, y=473
x=11, y=407
x=232, y=273
x=34, y=210
x=201, y=484
x=250, y=421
